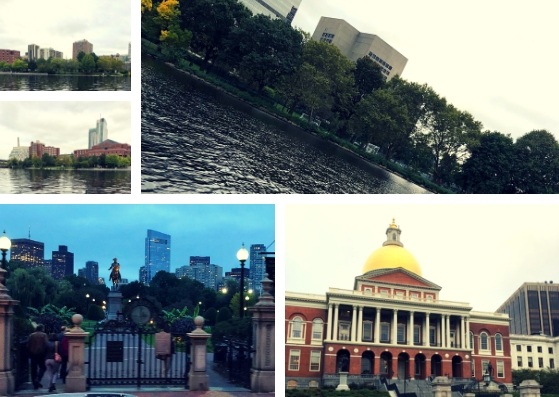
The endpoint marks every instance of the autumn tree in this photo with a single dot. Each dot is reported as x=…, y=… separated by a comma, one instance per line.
x=174, y=40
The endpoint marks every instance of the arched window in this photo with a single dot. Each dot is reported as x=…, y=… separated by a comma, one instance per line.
x=498, y=342
x=317, y=329
x=483, y=341
x=297, y=328
x=471, y=340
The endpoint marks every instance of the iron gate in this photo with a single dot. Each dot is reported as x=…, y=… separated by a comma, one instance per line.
x=121, y=353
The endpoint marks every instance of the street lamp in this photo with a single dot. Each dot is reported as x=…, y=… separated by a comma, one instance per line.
x=5, y=245
x=242, y=256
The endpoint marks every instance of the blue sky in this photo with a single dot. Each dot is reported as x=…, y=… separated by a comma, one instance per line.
x=100, y=232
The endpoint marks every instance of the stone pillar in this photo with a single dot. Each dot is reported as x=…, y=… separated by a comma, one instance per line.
x=198, y=377
x=377, y=325
x=343, y=382
x=443, y=331
x=529, y=388
x=115, y=304
x=76, y=380
x=441, y=387
x=7, y=304
x=447, y=329
x=354, y=324
x=335, y=330
x=360, y=324
x=426, y=335
x=262, y=377
x=329, y=326
x=410, y=330
x=394, y=337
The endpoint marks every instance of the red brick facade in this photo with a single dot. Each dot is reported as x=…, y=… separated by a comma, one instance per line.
x=106, y=147
x=9, y=56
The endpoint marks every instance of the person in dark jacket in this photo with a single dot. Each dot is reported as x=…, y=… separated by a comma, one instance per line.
x=63, y=351
x=51, y=361
x=37, y=344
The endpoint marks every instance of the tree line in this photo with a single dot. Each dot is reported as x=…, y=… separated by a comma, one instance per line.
x=86, y=63
x=48, y=161
x=409, y=123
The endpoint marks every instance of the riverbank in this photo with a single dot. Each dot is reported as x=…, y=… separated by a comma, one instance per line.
x=129, y=169
x=62, y=74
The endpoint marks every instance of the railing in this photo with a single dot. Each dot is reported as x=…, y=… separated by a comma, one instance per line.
x=233, y=359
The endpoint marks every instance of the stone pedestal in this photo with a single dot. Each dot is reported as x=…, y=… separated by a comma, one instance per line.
x=343, y=382
x=76, y=380
x=262, y=378
x=441, y=387
x=115, y=304
x=198, y=377
x=529, y=388
x=7, y=304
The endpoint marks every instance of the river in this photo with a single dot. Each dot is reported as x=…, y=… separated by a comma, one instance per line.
x=45, y=82
x=68, y=181
x=198, y=139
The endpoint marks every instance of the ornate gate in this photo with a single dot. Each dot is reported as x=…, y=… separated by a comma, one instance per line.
x=123, y=353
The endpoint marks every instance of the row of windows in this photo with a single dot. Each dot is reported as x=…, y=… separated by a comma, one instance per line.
x=295, y=360
x=382, y=62
x=529, y=349
x=530, y=363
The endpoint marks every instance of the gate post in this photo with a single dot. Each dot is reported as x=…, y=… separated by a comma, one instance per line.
x=76, y=380
x=6, y=330
x=263, y=372
x=198, y=377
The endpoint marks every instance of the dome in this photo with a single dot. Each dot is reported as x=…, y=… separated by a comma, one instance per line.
x=392, y=254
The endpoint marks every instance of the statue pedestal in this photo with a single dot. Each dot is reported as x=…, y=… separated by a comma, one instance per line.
x=343, y=382
x=115, y=305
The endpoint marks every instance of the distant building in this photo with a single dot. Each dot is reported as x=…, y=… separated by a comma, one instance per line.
x=157, y=253
x=98, y=134
x=143, y=275
x=29, y=252
x=200, y=269
x=47, y=53
x=235, y=275
x=281, y=9
x=81, y=46
x=18, y=152
x=90, y=272
x=257, y=266
x=62, y=263
x=355, y=45
x=32, y=52
x=107, y=147
x=37, y=149
x=9, y=56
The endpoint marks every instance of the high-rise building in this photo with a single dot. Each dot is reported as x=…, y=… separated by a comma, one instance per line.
x=533, y=309
x=282, y=9
x=257, y=265
x=355, y=45
x=158, y=253
x=62, y=263
x=46, y=53
x=81, y=46
x=92, y=272
x=29, y=252
x=32, y=52
x=9, y=56
x=200, y=269
x=98, y=134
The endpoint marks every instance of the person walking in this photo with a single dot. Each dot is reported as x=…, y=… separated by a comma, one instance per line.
x=164, y=350
x=52, y=361
x=63, y=351
x=37, y=344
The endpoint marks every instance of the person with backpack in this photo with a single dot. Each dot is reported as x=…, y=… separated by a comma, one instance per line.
x=37, y=345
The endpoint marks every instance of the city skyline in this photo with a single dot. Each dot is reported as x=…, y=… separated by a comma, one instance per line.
x=483, y=71
x=210, y=230
x=478, y=254
x=60, y=124
x=58, y=24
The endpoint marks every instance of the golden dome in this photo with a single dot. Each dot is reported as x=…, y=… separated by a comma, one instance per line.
x=392, y=254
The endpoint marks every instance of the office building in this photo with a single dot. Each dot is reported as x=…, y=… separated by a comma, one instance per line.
x=257, y=263
x=81, y=46
x=29, y=253
x=8, y=56
x=98, y=134
x=32, y=52
x=47, y=53
x=390, y=325
x=355, y=45
x=92, y=272
x=62, y=263
x=200, y=269
x=158, y=253
x=281, y=9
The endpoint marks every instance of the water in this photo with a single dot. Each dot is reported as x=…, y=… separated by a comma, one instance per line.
x=197, y=139
x=69, y=181
x=24, y=82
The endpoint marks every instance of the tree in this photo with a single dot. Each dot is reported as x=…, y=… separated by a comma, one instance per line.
x=87, y=64
x=174, y=40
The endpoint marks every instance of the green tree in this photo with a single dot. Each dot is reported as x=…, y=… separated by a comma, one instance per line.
x=19, y=65
x=33, y=287
x=174, y=40
x=87, y=64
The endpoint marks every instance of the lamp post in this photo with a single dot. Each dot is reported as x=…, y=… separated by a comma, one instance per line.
x=242, y=256
x=5, y=245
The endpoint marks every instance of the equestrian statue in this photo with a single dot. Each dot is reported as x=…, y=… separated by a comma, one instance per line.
x=115, y=273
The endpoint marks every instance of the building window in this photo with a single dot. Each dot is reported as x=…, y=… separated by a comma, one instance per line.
x=483, y=341
x=317, y=328
x=518, y=348
x=432, y=335
x=484, y=365
x=414, y=296
x=473, y=365
x=530, y=363
x=343, y=329
x=315, y=360
x=297, y=328
x=550, y=350
x=500, y=369
x=499, y=343
x=294, y=358
x=417, y=334
x=384, y=332
x=529, y=349
x=540, y=362
x=367, y=331
x=519, y=362
x=401, y=333
x=540, y=350
x=551, y=363
x=471, y=340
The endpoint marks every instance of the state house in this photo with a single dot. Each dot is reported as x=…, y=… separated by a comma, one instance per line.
x=391, y=325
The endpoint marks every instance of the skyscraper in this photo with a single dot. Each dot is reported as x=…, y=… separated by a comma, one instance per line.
x=81, y=46
x=92, y=272
x=282, y=9
x=32, y=52
x=200, y=269
x=257, y=265
x=158, y=253
x=62, y=263
x=29, y=252
x=98, y=134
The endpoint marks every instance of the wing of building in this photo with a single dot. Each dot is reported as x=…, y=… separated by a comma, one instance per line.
x=391, y=325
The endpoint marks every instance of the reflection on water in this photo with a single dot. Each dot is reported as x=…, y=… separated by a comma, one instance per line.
x=196, y=139
x=12, y=82
x=64, y=182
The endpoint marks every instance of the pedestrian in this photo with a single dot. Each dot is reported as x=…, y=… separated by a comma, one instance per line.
x=37, y=344
x=63, y=351
x=52, y=361
x=164, y=350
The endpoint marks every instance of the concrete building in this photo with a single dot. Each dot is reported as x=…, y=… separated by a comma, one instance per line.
x=29, y=252
x=32, y=52
x=391, y=325
x=355, y=45
x=535, y=352
x=81, y=46
x=62, y=263
x=281, y=9
x=9, y=56
x=46, y=53
x=19, y=152
x=157, y=253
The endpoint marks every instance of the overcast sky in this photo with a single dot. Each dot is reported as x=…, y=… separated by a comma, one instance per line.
x=479, y=254
x=60, y=124
x=59, y=23
x=495, y=59
x=102, y=232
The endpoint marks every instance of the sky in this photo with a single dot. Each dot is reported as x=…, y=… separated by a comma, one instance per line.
x=102, y=232
x=58, y=24
x=495, y=59
x=63, y=124
x=477, y=253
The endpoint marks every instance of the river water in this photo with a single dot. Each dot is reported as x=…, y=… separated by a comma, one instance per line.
x=69, y=181
x=24, y=82
x=197, y=139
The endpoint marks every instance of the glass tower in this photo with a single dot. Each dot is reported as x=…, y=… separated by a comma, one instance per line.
x=257, y=265
x=158, y=253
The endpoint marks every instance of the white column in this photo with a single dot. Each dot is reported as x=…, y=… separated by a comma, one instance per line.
x=394, y=327
x=360, y=324
x=410, y=330
x=463, y=342
x=447, y=327
x=443, y=330
x=426, y=333
x=329, y=326
x=336, y=322
x=377, y=326
x=354, y=324
x=467, y=330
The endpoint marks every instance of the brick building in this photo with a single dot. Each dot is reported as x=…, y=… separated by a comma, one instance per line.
x=391, y=325
x=106, y=147
x=37, y=149
x=9, y=56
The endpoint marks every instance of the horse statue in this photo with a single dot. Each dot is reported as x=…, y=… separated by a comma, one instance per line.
x=115, y=272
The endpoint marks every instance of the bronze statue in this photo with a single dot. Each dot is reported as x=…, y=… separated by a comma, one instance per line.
x=115, y=272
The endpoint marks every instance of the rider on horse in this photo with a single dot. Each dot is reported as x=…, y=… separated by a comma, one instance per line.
x=115, y=272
